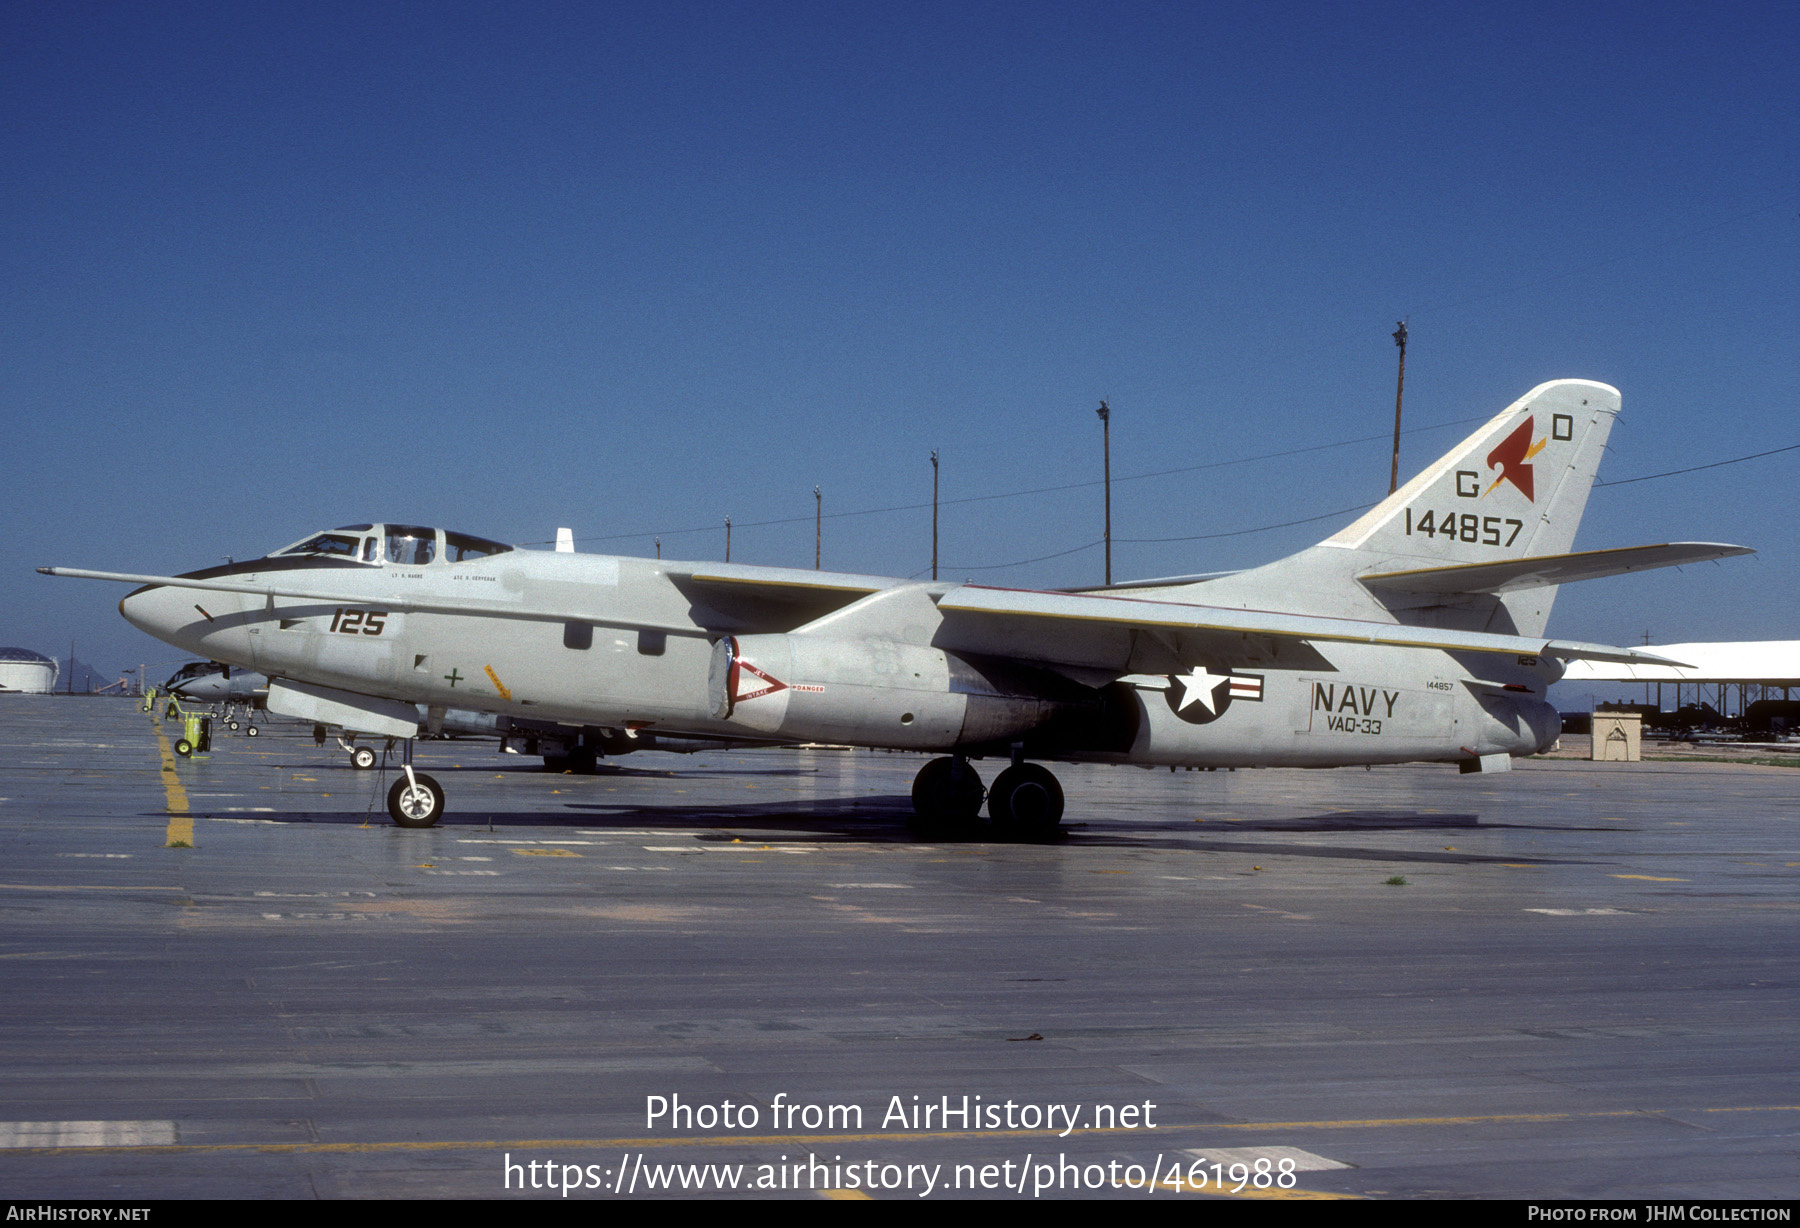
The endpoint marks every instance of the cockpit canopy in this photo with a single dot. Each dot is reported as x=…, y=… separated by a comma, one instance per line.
x=406, y=545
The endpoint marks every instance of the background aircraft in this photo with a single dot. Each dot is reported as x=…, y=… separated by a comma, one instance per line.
x=1416, y=633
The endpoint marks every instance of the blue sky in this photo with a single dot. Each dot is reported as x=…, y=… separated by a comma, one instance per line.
x=633, y=269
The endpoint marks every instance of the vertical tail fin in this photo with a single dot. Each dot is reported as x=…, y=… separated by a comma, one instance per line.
x=1514, y=489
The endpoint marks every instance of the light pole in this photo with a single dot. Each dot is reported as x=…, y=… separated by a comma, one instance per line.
x=1399, y=388
x=818, y=527
x=728, y=539
x=1106, y=465
x=934, y=511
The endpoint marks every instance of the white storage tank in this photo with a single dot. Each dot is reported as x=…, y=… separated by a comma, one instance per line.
x=24, y=670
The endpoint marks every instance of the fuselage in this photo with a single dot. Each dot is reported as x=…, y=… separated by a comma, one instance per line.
x=636, y=643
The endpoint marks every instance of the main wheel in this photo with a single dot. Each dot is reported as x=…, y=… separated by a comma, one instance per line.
x=1026, y=802
x=251, y=732
x=231, y=725
x=362, y=758
x=416, y=803
x=947, y=792
x=184, y=748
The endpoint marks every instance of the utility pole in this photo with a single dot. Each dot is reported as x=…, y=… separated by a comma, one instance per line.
x=934, y=510
x=1106, y=462
x=1399, y=388
x=71, y=667
x=818, y=527
x=659, y=547
x=728, y=539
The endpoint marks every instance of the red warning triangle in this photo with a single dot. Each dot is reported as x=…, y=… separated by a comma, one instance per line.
x=748, y=682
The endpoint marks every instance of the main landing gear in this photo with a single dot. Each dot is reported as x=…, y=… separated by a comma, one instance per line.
x=1026, y=802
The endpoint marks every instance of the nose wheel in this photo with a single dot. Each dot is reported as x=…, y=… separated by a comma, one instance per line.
x=416, y=800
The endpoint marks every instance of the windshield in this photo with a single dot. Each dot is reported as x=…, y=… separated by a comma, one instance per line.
x=340, y=545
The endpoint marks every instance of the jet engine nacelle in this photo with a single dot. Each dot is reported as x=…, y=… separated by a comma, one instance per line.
x=875, y=692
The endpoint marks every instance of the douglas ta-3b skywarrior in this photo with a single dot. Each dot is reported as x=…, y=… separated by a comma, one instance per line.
x=1417, y=633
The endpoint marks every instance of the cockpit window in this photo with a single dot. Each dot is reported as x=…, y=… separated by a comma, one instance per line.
x=336, y=544
x=411, y=545
x=371, y=549
x=460, y=546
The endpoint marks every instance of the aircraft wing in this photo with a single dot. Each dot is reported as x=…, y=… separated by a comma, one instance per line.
x=1510, y=574
x=1073, y=629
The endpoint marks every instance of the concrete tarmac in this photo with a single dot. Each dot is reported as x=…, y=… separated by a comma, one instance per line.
x=1569, y=981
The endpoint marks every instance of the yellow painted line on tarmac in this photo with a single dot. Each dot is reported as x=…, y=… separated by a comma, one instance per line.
x=845, y=1195
x=1650, y=878
x=794, y=1140
x=181, y=823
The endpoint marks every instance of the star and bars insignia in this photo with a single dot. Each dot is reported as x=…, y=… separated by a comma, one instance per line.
x=1201, y=696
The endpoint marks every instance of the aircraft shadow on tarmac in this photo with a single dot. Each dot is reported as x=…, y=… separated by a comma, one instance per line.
x=530, y=770
x=888, y=819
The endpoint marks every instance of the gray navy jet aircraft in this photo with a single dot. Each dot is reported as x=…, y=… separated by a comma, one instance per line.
x=1416, y=633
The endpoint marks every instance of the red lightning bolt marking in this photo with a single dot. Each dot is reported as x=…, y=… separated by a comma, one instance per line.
x=1514, y=458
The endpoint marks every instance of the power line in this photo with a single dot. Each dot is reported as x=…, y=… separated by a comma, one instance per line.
x=1736, y=460
x=1039, y=490
x=1346, y=511
x=1286, y=524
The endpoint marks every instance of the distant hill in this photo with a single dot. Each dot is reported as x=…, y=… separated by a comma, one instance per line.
x=87, y=677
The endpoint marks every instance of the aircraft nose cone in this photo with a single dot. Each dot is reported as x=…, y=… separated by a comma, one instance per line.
x=161, y=612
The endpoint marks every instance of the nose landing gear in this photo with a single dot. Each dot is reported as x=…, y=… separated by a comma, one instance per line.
x=416, y=800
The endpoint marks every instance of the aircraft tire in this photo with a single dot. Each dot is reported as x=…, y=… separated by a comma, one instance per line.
x=184, y=748
x=947, y=792
x=251, y=732
x=419, y=803
x=231, y=725
x=362, y=758
x=556, y=763
x=1026, y=803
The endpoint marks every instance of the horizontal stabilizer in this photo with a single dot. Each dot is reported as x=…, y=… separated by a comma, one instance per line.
x=1508, y=575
